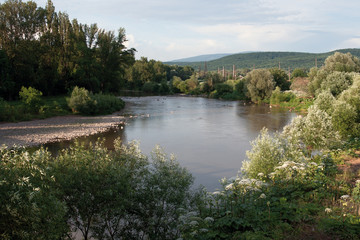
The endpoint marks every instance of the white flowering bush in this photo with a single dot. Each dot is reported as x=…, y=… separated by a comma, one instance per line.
x=267, y=152
x=325, y=101
x=316, y=130
x=336, y=82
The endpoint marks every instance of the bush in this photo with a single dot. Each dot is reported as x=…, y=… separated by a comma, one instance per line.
x=342, y=62
x=5, y=110
x=325, y=101
x=151, y=87
x=83, y=102
x=31, y=98
x=336, y=82
x=315, y=131
x=222, y=89
x=267, y=152
x=80, y=100
x=97, y=193
x=277, y=96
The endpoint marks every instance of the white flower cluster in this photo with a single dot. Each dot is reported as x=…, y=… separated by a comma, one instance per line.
x=245, y=185
x=289, y=169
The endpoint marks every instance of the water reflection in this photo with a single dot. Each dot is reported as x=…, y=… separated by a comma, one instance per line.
x=209, y=137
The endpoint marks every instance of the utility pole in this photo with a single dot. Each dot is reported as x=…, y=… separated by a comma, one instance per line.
x=316, y=62
x=223, y=72
x=205, y=68
x=289, y=75
x=234, y=74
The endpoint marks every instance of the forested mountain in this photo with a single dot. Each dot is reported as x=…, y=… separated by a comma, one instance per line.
x=267, y=60
x=206, y=57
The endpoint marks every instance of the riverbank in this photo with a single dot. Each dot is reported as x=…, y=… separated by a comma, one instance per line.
x=54, y=129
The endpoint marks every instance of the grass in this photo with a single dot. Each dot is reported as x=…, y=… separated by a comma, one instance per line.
x=15, y=111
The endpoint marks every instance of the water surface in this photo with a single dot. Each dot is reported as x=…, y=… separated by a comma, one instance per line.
x=209, y=137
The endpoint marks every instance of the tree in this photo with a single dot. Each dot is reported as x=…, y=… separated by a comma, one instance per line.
x=280, y=78
x=298, y=72
x=29, y=207
x=336, y=82
x=260, y=84
x=342, y=62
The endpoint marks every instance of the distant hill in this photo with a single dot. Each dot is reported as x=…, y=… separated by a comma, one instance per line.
x=267, y=60
x=201, y=58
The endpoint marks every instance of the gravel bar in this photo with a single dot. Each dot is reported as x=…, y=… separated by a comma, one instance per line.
x=36, y=132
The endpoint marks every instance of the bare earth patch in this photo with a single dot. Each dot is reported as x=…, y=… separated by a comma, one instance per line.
x=352, y=166
x=36, y=132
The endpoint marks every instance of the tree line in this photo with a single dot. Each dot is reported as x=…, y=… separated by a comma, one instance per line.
x=44, y=49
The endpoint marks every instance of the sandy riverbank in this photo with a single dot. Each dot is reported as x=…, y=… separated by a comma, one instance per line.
x=36, y=132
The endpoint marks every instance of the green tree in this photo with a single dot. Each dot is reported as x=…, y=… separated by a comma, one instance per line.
x=298, y=72
x=29, y=207
x=342, y=62
x=260, y=84
x=336, y=82
x=280, y=78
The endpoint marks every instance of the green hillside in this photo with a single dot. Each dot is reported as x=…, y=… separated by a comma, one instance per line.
x=267, y=60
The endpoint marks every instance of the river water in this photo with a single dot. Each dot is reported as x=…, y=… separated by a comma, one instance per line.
x=209, y=137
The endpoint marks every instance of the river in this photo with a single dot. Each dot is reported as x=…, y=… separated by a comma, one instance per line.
x=209, y=137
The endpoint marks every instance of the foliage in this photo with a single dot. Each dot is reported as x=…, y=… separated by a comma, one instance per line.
x=277, y=96
x=280, y=78
x=47, y=51
x=5, y=110
x=222, y=89
x=315, y=131
x=267, y=152
x=261, y=208
x=336, y=82
x=342, y=62
x=29, y=208
x=93, y=104
x=31, y=98
x=298, y=72
x=260, y=84
x=80, y=100
x=93, y=191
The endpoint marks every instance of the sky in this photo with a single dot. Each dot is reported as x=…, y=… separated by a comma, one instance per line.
x=172, y=29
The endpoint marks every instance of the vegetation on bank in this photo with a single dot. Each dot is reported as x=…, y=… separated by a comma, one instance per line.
x=290, y=186
x=34, y=106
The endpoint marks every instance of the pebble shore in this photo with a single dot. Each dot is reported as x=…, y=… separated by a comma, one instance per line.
x=36, y=132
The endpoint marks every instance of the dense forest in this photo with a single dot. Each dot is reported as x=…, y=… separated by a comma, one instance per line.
x=45, y=50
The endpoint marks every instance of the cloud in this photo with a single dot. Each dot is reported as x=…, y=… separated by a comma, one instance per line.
x=353, y=42
x=256, y=37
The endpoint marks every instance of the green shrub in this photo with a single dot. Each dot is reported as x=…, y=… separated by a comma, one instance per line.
x=80, y=100
x=151, y=87
x=344, y=118
x=222, y=89
x=267, y=152
x=5, y=110
x=31, y=98
x=105, y=104
x=278, y=97
x=315, y=131
x=86, y=103
x=336, y=82
x=325, y=101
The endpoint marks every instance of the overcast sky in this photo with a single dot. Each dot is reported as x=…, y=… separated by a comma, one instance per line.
x=172, y=29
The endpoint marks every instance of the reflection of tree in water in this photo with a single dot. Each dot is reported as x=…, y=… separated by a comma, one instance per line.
x=109, y=137
x=260, y=116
